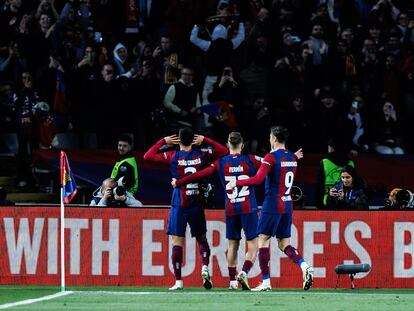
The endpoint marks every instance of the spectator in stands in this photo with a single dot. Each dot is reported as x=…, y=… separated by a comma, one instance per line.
x=219, y=51
x=387, y=133
x=256, y=123
x=145, y=90
x=12, y=66
x=327, y=119
x=25, y=100
x=123, y=68
x=357, y=125
x=182, y=102
x=329, y=170
x=7, y=109
x=105, y=93
x=10, y=17
x=107, y=195
x=168, y=62
x=297, y=121
x=349, y=192
x=47, y=7
x=3, y=198
x=317, y=44
x=126, y=167
x=228, y=94
x=323, y=18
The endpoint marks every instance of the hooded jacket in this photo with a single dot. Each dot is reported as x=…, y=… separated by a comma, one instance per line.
x=119, y=64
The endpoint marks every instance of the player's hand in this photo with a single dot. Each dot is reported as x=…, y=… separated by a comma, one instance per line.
x=198, y=139
x=172, y=140
x=340, y=194
x=174, y=183
x=299, y=154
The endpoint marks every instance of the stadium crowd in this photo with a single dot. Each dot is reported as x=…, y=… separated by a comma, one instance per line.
x=324, y=69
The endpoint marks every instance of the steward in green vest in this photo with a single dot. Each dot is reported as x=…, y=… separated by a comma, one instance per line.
x=126, y=166
x=329, y=173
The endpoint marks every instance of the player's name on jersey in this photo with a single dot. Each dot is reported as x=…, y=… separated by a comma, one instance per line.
x=288, y=163
x=238, y=200
x=192, y=186
x=286, y=198
x=189, y=162
x=236, y=169
x=192, y=192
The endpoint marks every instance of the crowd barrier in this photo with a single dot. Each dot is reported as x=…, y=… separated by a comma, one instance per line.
x=129, y=247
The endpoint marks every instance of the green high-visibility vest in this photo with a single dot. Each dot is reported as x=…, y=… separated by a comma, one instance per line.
x=332, y=175
x=131, y=161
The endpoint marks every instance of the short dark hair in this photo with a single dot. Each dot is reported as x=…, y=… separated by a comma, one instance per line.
x=281, y=133
x=186, y=136
x=235, y=139
x=125, y=137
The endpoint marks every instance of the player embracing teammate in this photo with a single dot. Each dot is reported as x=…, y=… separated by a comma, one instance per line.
x=237, y=175
x=279, y=168
x=240, y=204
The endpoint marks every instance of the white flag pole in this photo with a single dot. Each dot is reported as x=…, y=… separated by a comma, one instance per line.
x=62, y=241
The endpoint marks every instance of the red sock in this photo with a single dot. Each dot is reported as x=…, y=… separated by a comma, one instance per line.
x=264, y=258
x=247, y=266
x=232, y=273
x=205, y=252
x=292, y=253
x=177, y=259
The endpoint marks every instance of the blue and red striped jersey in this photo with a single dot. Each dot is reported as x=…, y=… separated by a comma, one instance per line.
x=240, y=200
x=279, y=181
x=182, y=163
x=185, y=163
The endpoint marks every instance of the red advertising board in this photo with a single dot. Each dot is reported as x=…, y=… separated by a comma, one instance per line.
x=129, y=247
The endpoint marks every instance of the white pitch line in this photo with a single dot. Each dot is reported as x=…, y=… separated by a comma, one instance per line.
x=313, y=293
x=30, y=301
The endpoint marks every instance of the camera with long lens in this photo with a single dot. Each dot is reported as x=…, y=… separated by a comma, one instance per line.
x=119, y=191
x=400, y=198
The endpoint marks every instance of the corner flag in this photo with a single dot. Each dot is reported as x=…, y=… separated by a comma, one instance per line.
x=66, y=179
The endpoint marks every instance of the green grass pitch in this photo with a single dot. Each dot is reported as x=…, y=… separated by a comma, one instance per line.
x=218, y=299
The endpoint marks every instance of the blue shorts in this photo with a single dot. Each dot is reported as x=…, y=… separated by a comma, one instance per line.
x=180, y=216
x=275, y=225
x=247, y=222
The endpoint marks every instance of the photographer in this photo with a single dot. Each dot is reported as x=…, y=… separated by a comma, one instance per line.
x=348, y=193
x=111, y=194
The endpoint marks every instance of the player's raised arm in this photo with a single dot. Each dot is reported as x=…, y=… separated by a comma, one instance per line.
x=217, y=151
x=197, y=175
x=153, y=153
x=299, y=154
x=261, y=174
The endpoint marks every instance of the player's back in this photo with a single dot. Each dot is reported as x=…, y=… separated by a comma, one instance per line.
x=184, y=163
x=279, y=182
x=240, y=200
